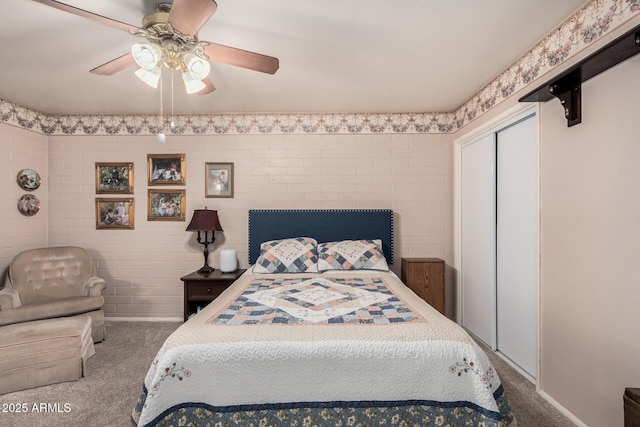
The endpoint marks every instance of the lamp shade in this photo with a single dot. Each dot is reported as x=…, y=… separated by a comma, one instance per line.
x=146, y=55
x=150, y=77
x=197, y=67
x=205, y=220
x=191, y=84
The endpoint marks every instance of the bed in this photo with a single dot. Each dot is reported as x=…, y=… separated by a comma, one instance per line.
x=320, y=332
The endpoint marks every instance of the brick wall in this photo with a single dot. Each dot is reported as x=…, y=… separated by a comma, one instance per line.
x=21, y=149
x=410, y=174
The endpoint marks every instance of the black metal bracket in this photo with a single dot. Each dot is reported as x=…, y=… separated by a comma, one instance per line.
x=568, y=86
x=569, y=91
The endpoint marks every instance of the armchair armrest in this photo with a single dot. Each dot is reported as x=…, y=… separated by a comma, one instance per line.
x=8, y=300
x=94, y=286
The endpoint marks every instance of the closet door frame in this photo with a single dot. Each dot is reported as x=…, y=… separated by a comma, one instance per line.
x=502, y=120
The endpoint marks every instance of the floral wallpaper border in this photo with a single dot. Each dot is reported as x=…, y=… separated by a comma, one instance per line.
x=588, y=24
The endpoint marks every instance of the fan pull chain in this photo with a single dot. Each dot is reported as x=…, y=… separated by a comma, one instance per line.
x=172, y=124
x=161, y=136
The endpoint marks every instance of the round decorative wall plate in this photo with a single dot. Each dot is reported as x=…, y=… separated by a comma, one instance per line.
x=28, y=179
x=29, y=205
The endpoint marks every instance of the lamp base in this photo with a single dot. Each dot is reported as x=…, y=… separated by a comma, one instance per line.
x=206, y=269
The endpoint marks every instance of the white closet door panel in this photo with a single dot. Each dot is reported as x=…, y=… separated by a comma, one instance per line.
x=478, y=238
x=517, y=244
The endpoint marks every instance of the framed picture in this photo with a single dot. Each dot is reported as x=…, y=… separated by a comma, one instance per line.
x=114, y=213
x=114, y=178
x=218, y=180
x=166, y=205
x=166, y=169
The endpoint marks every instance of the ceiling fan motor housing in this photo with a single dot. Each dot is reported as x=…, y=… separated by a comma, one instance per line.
x=157, y=29
x=159, y=16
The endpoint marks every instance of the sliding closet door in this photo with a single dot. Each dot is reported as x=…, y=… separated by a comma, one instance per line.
x=478, y=238
x=517, y=244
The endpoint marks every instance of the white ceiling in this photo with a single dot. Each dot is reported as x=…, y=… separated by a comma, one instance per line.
x=360, y=56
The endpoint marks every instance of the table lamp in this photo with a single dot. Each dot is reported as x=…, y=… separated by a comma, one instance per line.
x=205, y=220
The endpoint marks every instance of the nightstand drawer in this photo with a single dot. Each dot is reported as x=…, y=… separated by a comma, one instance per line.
x=206, y=290
x=202, y=288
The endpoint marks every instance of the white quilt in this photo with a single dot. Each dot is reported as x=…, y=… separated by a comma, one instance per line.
x=277, y=339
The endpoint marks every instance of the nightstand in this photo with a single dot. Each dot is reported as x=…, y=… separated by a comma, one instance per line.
x=425, y=277
x=202, y=288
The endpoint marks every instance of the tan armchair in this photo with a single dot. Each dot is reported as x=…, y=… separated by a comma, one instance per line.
x=53, y=282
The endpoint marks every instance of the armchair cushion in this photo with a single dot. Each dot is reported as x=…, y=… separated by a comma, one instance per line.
x=54, y=308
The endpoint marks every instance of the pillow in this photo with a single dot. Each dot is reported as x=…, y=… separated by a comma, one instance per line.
x=298, y=255
x=352, y=255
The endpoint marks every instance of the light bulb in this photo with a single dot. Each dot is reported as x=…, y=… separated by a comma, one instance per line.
x=162, y=138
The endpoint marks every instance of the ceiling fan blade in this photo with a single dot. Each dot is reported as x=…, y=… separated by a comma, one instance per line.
x=188, y=16
x=89, y=15
x=242, y=58
x=115, y=65
x=208, y=88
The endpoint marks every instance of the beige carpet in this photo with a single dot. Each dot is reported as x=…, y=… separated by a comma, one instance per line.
x=529, y=408
x=107, y=395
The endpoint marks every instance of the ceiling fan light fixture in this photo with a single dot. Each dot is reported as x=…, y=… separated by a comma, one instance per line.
x=191, y=84
x=146, y=55
x=197, y=66
x=172, y=34
x=150, y=77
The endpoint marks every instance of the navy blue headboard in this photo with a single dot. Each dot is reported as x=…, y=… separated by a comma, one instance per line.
x=322, y=225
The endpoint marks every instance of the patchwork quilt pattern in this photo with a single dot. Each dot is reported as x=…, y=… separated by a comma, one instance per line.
x=316, y=300
x=287, y=256
x=351, y=255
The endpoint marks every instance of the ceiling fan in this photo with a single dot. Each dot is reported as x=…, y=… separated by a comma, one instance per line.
x=172, y=34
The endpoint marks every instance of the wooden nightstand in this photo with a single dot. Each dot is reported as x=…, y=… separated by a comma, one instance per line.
x=201, y=289
x=425, y=277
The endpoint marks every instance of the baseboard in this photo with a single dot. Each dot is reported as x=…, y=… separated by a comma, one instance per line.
x=144, y=319
x=562, y=409
x=515, y=366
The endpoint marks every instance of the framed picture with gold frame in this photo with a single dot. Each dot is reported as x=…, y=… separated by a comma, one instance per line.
x=218, y=180
x=166, y=169
x=166, y=205
x=114, y=178
x=114, y=213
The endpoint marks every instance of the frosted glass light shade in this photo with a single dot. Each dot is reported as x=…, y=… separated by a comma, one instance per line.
x=192, y=85
x=150, y=77
x=198, y=67
x=146, y=55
